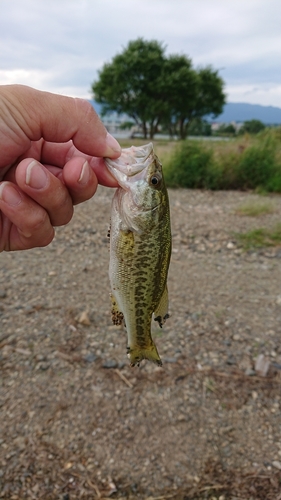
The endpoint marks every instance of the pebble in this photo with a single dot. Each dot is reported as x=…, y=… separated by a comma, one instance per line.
x=230, y=245
x=276, y=464
x=249, y=372
x=262, y=365
x=231, y=360
x=44, y=365
x=277, y=366
x=169, y=360
x=90, y=357
x=236, y=336
x=111, y=363
x=84, y=319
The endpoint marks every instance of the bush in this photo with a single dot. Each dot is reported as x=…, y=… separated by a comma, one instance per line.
x=257, y=165
x=251, y=163
x=252, y=127
x=188, y=166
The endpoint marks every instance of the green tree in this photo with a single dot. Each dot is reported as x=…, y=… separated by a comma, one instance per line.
x=154, y=89
x=198, y=126
x=179, y=93
x=226, y=129
x=130, y=84
x=252, y=127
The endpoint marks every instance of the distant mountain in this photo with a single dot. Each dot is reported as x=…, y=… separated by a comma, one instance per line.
x=241, y=112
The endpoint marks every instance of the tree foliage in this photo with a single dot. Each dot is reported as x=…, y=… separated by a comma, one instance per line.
x=154, y=89
x=252, y=127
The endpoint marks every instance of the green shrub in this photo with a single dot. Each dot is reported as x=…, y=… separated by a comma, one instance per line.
x=188, y=165
x=247, y=163
x=257, y=165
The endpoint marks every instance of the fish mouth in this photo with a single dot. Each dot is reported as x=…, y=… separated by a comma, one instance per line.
x=132, y=161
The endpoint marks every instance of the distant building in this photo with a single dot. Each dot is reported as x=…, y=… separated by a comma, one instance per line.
x=215, y=126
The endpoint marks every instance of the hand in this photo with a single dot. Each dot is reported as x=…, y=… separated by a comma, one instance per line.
x=51, y=158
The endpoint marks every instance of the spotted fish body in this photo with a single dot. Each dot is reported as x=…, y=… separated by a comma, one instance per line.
x=140, y=248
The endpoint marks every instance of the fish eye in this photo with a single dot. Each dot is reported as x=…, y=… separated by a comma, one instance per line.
x=155, y=180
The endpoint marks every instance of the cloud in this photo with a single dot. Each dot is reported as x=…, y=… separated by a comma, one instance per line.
x=60, y=45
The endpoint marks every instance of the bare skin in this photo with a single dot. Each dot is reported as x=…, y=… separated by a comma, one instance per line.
x=52, y=150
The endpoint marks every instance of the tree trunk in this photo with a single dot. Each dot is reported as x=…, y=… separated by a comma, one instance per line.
x=144, y=129
x=183, y=129
x=153, y=128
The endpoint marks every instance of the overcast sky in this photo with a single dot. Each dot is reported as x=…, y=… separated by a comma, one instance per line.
x=59, y=45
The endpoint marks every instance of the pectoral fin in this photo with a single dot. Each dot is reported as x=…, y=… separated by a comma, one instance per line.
x=161, y=311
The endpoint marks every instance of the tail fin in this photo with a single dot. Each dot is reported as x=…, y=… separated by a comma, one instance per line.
x=136, y=354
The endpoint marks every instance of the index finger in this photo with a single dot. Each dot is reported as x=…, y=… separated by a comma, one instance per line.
x=59, y=155
x=36, y=114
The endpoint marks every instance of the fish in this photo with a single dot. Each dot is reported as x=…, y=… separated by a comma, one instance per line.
x=140, y=249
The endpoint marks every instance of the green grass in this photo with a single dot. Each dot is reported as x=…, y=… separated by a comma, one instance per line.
x=245, y=163
x=259, y=238
x=255, y=209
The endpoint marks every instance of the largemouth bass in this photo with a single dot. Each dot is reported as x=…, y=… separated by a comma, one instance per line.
x=140, y=249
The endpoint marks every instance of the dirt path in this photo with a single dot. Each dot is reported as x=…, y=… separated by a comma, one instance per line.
x=77, y=422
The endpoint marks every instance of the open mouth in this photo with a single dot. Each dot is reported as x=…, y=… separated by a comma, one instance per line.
x=132, y=161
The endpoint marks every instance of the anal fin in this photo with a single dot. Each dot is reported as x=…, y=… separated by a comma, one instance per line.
x=161, y=311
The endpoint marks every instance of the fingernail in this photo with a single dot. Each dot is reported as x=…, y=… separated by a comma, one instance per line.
x=113, y=146
x=85, y=174
x=36, y=176
x=9, y=194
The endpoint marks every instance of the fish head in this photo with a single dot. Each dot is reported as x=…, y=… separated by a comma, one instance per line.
x=139, y=173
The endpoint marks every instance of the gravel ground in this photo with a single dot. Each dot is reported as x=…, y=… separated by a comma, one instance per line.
x=77, y=422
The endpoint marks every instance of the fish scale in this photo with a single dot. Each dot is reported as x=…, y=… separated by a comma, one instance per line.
x=140, y=248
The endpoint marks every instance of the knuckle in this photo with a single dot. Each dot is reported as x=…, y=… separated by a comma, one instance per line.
x=36, y=227
x=39, y=221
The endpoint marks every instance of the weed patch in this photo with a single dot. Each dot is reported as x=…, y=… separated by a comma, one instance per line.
x=248, y=163
x=259, y=238
x=255, y=209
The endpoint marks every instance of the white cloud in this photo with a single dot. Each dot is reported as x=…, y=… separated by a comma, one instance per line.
x=263, y=94
x=60, y=45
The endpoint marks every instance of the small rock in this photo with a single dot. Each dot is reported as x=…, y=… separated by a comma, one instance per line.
x=250, y=372
x=277, y=366
x=230, y=245
x=111, y=363
x=43, y=365
x=3, y=294
x=84, y=319
x=170, y=360
x=276, y=464
x=90, y=357
x=231, y=360
x=262, y=365
x=29, y=309
x=236, y=336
